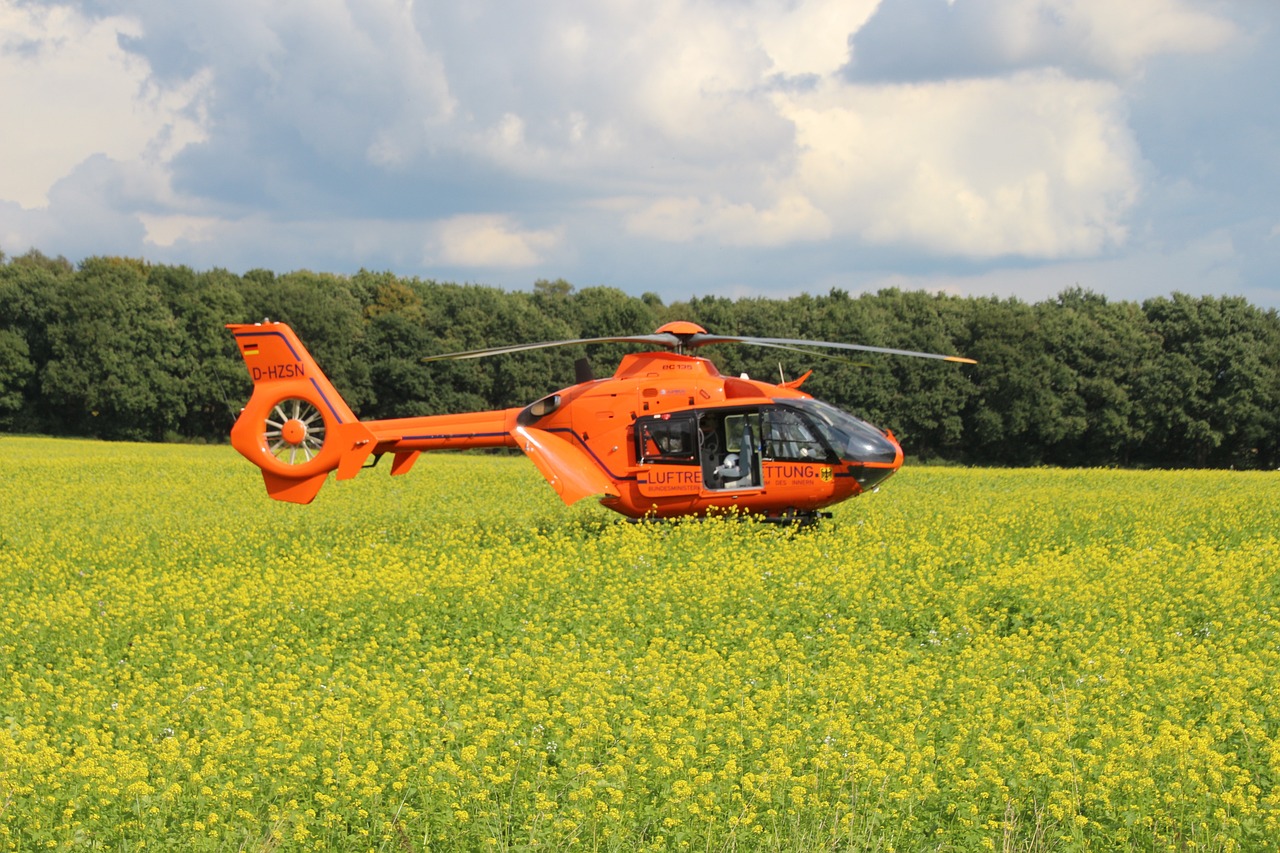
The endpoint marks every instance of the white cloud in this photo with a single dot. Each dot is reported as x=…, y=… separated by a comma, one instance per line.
x=488, y=241
x=1037, y=164
x=791, y=219
x=812, y=37
x=359, y=74
x=1121, y=36
x=920, y=40
x=665, y=94
x=70, y=92
x=699, y=67
x=166, y=230
x=1205, y=265
x=639, y=135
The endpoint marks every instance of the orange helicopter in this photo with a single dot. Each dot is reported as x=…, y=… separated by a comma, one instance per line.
x=667, y=435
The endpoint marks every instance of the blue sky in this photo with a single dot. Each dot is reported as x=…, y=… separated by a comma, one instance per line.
x=682, y=147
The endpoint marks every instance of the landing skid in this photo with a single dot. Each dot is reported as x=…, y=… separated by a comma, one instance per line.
x=799, y=518
x=788, y=518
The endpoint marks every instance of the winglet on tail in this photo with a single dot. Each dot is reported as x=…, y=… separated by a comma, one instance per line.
x=295, y=427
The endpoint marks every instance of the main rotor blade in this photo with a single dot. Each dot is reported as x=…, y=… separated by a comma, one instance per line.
x=680, y=343
x=812, y=353
x=665, y=340
x=703, y=340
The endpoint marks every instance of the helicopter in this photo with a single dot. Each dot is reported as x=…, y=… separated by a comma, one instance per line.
x=667, y=435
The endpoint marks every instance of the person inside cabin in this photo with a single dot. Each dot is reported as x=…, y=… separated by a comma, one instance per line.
x=708, y=436
x=709, y=444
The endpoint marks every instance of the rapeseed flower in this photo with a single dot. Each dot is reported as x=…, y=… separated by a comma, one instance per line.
x=453, y=660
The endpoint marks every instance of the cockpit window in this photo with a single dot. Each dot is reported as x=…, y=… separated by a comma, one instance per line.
x=790, y=437
x=849, y=437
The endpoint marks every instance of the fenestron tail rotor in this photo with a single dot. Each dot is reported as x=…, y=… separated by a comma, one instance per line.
x=294, y=431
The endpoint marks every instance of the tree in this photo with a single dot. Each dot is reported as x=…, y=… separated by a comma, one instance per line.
x=114, y=354
x=326, y=314
x=16, y=367
x=214, y=382
x=16, y=371
x=862, y=384
x=598, y=312
x=1107, y=347
x=1019, y=406
x=119, y=348
x=930, y=397
x=396, y=338
x=1211, y=397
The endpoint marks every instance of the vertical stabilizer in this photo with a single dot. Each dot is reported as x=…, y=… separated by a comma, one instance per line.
x=296, y=427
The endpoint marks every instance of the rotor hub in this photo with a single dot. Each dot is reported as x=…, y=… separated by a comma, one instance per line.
x=681, y=329
x=294, y=431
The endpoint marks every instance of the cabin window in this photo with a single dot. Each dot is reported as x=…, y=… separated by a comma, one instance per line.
x=545, y=406
x=532, y=412
x=667, y=440
x=730, y=449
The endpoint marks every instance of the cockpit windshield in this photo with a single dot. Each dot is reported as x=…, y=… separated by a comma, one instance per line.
x=850, y=437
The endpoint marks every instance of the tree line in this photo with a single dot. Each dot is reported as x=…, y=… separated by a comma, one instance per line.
x=118, y=348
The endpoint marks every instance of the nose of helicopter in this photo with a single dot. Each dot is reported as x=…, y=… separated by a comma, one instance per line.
x=874, y=456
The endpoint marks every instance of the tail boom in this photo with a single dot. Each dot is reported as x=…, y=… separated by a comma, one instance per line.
x=473, y=430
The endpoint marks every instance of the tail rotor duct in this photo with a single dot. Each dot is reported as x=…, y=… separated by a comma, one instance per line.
x=294, y=431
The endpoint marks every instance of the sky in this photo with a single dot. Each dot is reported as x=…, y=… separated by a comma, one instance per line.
x=1014, y=148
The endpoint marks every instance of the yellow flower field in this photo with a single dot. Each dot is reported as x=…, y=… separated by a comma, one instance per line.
x=452, y=660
